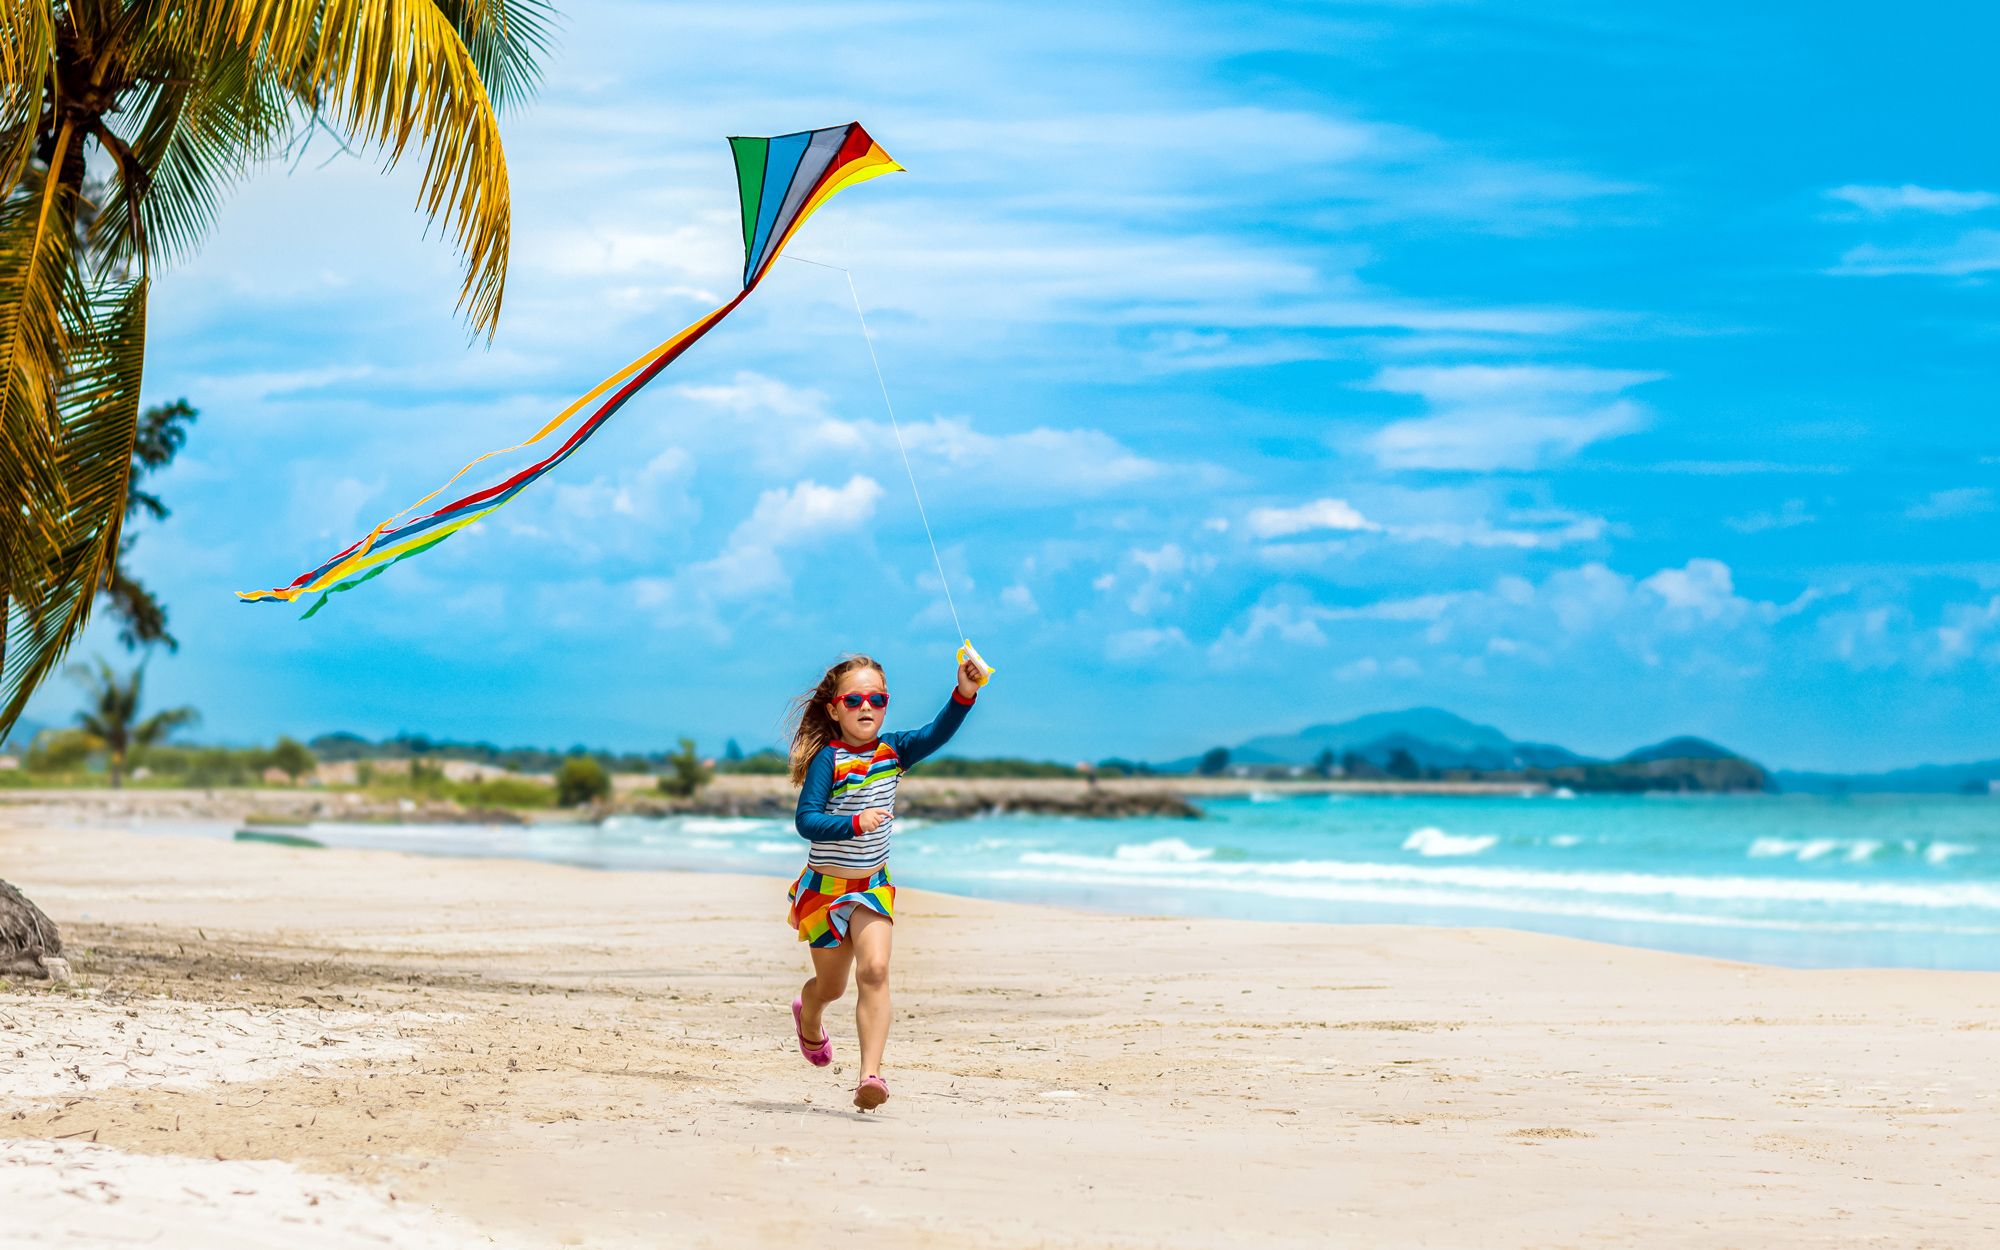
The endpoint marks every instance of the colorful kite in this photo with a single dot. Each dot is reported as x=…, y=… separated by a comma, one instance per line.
x=782, y=180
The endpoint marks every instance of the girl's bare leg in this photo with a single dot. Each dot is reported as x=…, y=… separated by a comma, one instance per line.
x=870, y=936
x=828, y=983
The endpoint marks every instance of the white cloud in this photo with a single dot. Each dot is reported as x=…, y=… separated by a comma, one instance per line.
x=1744, y=468
x=1504, y=417
x=1164, y=574
x=1286, y=616
x=1944, y=505
x=621, y=512
x=1702, y=590
x=805, y=514
x=1870, y=637
x=1974, y=252
x=1881, y=201
x=1525, y=531
x=790, y=428
x=1792, y=514
x=1684, y=617
x=1521, y=530
x=333, y=510
x=1129, y=645
x=1970, y=630
x=1894, y=635
x=1320, y=514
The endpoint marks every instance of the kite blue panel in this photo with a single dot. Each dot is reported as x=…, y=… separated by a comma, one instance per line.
x=779, y=165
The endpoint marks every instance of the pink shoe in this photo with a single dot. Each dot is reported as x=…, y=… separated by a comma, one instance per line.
x=871, y=1093
x=817, y=1054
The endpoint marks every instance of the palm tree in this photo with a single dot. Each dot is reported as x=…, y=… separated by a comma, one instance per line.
x=172, y=101
x=110, y=721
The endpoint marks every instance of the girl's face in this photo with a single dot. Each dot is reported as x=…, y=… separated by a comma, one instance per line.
x=859, y=724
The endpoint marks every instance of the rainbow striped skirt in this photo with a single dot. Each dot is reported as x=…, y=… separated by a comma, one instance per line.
x=823, y=905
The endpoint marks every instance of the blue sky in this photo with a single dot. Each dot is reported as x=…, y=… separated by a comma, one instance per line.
x=1599, y=373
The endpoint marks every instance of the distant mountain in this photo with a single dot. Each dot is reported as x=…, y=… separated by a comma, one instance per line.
x=1439, y=741
x=1434, y=737
x=341, y=745
x=1974, y=778
x=1682, y=748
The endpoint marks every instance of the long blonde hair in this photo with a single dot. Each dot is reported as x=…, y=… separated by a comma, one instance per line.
x=815, y=727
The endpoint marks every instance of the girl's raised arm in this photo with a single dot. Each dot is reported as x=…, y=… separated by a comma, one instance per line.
x=916, y=744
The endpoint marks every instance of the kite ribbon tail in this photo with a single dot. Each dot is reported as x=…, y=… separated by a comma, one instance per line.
x=369, y=576
x=339, y=572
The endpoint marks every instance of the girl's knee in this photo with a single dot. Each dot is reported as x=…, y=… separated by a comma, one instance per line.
x=873, y=974
x=827, y=989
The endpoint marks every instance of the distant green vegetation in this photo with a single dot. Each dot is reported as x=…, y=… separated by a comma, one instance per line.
x=955, y=767
x=427, y=783
x=581, y=780
x=64, y=757
x=686, y=772
x=1732, y=775
x=759, y=764
x=343, y=747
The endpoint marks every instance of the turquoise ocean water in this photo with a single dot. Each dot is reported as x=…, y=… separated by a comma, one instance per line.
x=1814, y=882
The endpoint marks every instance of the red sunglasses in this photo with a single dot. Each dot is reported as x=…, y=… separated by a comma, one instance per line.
x=877, y=699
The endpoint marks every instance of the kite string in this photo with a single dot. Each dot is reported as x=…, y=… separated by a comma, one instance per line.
x=900, y=446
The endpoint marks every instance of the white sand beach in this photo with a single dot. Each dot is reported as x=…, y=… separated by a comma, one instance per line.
x=339, y=1048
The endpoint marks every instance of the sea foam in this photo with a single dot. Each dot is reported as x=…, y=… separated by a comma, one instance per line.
x=1164, y=851
x=1516, y=881
x=725, y=826
x=1430, y=896
x=1432, y=841
x=1852, y=850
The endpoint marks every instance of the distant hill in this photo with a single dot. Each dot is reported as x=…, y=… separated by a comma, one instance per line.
x=1434, y=737
x=1435, y=741
x=1682, y=748
x=1971, y=778
x=1723, y=774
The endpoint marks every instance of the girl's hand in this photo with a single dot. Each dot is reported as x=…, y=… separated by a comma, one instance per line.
x=968, y=679
x=871, y=820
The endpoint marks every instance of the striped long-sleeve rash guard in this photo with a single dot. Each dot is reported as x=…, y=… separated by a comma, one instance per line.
x=845, y=780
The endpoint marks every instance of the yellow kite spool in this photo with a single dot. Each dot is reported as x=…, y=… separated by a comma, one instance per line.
x=970, y=652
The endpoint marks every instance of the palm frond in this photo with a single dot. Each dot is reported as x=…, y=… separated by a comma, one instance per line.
x=40, y=299
x=390, y=73
x=506, y=39
x=27, y=38
x=160, y=725
x=99, y=407
x=27, y=60
x=202, y=123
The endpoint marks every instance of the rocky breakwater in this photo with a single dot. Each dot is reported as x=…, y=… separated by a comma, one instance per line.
x=926, y=799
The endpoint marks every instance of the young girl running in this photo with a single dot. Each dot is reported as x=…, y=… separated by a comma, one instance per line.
x=843, y=903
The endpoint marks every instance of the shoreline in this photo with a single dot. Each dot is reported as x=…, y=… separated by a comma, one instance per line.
x=1816, y=889
x=929, y=798
x=330, y=1046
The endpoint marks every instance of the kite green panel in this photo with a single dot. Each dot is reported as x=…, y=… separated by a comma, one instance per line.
x=750, y=154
